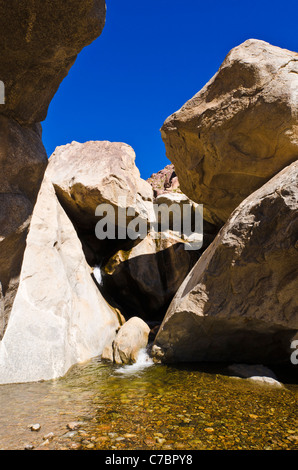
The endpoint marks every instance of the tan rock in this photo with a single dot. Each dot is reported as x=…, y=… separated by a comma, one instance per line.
x=39, y=43
x=22, y=164
x=58, y=317
x=107, y=353
x=164, y=181
x=239, y=303
x=86, y=175
x=173, y=206
x=91, y=175
x=238, y=131
x=144, y=278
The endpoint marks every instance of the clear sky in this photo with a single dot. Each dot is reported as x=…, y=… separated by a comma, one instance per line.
x=150, y=59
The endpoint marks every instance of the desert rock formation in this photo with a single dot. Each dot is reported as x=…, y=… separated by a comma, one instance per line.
x=39, y=43
x=238, y=131
x=164, y=181
x=58, y=317
x=239, y=303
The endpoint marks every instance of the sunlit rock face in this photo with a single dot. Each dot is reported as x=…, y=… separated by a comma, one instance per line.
x=98, y=172
x=130, y=340
x=238, y=131
x=164, y=181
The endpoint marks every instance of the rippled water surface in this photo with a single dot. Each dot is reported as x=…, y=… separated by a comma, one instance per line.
x=148, y=407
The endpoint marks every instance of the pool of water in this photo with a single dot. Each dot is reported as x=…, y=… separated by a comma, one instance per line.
x=103, y=406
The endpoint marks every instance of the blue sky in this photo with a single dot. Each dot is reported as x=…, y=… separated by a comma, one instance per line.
x=150, y=59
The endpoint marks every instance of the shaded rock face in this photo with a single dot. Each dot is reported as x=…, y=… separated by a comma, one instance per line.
x=96, y=173
x=239, y=303
x=39, y=42
x=22, y=164
x=164, y=181
x=238, y=131
x=58, y=317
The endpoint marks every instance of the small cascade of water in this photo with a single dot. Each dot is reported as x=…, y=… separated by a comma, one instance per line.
x=143, y=361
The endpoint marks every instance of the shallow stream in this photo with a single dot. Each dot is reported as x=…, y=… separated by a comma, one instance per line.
x=146, y=406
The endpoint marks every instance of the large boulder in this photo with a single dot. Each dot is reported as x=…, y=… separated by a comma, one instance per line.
x=58, y=317
x=39, y=43
x=131, y=338
x=239, y=303
x=238, y=131
x=164, y=181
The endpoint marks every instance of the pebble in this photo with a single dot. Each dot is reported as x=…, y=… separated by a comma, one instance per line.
x=29, y=447
x=292, y=438
x=86, y=442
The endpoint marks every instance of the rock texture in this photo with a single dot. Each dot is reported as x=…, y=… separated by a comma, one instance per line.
x=130, y=339
x=58, y=317
x=39, y=43
x=93, y=173
x=143, y=279
x=238, y=131
x=257, y=373
x=22, y=164
x=86, y=175
x=239, y=303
